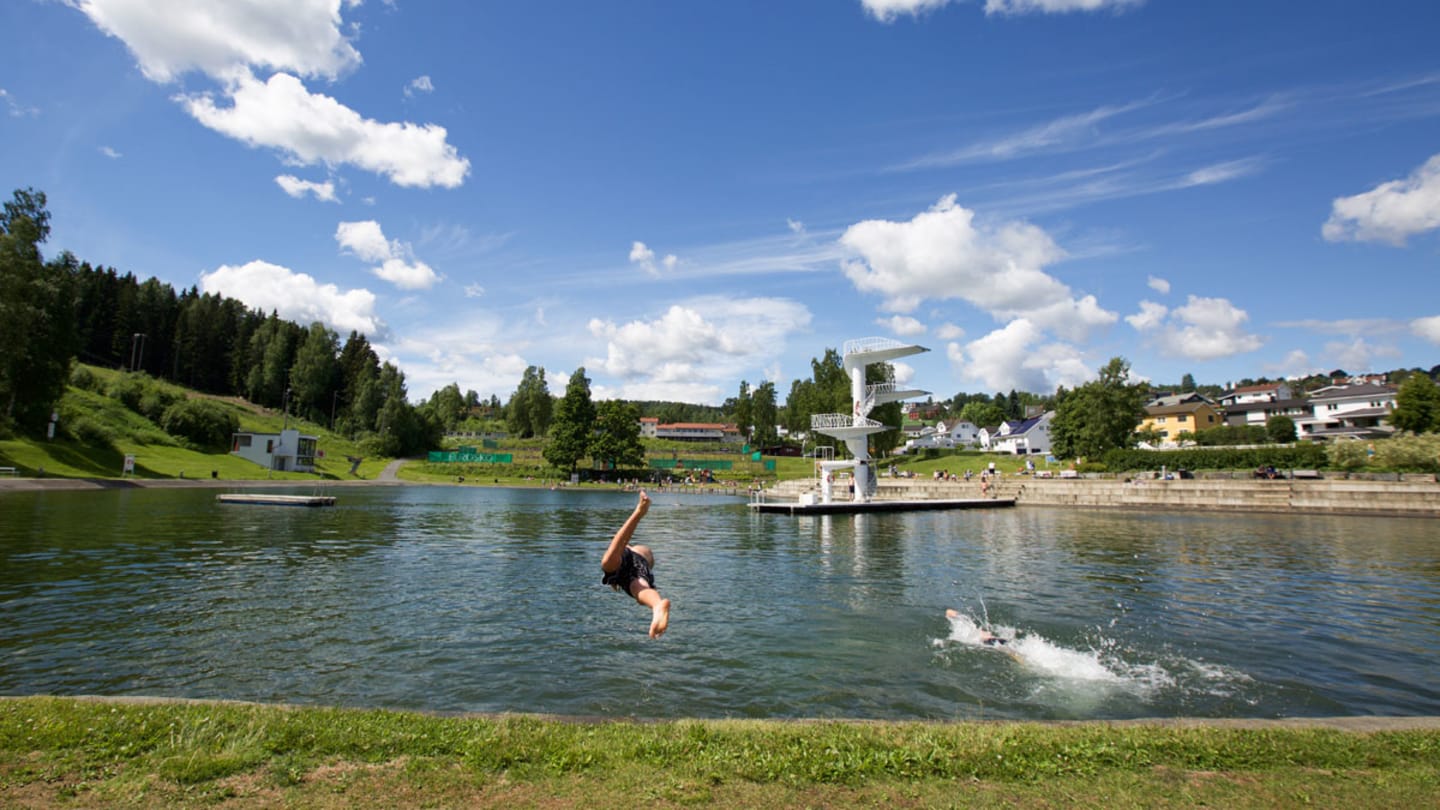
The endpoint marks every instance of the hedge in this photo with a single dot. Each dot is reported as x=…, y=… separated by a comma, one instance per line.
x=1288, y=457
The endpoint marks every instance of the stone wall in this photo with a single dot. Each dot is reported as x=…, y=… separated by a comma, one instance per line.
x=1414, y=495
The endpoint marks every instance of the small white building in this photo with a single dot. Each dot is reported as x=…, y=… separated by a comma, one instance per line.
x=286, y=451
x=1264, y=392
x=1025, y=437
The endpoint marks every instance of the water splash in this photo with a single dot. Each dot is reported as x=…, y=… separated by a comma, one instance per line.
x=1104, y=665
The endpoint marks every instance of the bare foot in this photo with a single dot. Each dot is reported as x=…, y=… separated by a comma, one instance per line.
x=660, y=618
x=952, y=613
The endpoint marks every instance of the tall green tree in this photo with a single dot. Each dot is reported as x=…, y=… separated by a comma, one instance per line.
x=765, y=413
x=1187, y=384
x=982, y=414
x=743, y=410
x=38, y=334
x=616, y=441
x=529, y=411
x=573, y=426
x=1417, y=405
x=1280, y=429
x=1099, y=415
x=315, y=374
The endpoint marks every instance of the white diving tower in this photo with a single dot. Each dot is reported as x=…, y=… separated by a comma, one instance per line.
x=856, y=427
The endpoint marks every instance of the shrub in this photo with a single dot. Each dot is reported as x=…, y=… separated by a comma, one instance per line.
x=89, y=431
x=202, y=422
x=145, y=395
x=83, y=378
x=1301, y=456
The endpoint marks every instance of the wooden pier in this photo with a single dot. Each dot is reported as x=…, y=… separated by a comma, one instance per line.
x=267, y=499
x=853, y=507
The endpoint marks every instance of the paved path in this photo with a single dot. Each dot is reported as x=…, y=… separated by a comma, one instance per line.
x=388, y=474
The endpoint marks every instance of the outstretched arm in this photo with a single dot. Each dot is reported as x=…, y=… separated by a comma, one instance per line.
x=611, y=561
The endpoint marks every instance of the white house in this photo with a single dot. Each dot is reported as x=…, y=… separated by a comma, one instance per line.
x=1025, y=437
x=1264, y=392
x=651, y=428
x=960, y=433
x=286, y=451
x=1347, y=411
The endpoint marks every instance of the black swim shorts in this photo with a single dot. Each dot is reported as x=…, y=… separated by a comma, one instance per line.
x=632, y=567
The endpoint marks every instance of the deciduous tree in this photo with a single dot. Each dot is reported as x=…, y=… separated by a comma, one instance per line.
x=1099, y=415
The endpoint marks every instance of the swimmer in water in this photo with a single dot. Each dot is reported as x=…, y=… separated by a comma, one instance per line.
x=986, y=637
x=628, y=568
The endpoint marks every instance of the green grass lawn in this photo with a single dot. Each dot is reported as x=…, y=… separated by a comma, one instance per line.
x=58, y=752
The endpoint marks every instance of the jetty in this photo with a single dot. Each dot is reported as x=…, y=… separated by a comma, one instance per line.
x=268, y=499
x=806, y=506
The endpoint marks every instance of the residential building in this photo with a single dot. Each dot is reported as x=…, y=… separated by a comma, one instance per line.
x=1174, y=414
x=1264, y=392
x=286, y=451
x=1359, y=411
x=651, y=428
x=1023, y=437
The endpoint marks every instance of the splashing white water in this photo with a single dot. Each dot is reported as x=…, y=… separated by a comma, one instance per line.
x=1101, y=666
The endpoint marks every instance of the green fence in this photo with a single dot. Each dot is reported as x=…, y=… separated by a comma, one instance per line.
x=690, y=464
x=468, y=455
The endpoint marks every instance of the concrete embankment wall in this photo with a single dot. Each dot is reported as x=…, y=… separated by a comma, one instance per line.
x=1417, y=496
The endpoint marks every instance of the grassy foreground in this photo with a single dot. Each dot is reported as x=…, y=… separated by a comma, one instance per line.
x=66, y=752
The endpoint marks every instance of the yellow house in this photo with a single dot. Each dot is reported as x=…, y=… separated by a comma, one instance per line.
x=1171, y=416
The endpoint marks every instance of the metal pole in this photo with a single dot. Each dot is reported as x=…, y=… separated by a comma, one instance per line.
x=285, y=405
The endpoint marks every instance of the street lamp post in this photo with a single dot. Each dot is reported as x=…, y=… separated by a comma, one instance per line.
x=138, y=337
x=285, y=404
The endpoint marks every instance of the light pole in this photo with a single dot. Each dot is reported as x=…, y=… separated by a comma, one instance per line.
x=285, y=405
x=138, y=337
x=334, y=397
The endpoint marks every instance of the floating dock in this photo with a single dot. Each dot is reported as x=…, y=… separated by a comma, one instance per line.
x=266, y=499
x=856, y=507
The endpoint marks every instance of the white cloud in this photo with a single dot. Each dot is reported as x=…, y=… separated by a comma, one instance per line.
x=216, y=36
x=1159, y=285
x=943, y=254
x=110, y=152
x=949, y=331
x=473, y=352
x=888, y=10
x=1428, y=328
x=1055, y=6
x=902, y=325
x=1222, y=172
x=17, y=110
x=396, y=263
x=296, y=297
x=698, y=347
x=419, y=85
x=644, y=257
x=1203, y=329
x=1014, y=357
x=298, y=188
x=1391, y=212
x=310, y=128
x=1295, y=364
x=1357, y=355
x=474, y=291
x=796, y=227
x=1150, y=316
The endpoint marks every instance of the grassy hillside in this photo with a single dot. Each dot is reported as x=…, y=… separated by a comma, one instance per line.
x=111, y=431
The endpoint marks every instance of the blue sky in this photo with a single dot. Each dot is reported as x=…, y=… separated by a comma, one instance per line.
x=680, y=196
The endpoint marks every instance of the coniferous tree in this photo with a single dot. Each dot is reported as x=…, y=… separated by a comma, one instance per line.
x=37, y=318
x=573, y=426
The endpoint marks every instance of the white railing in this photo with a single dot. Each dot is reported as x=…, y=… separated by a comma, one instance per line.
x=831, y=421
x=871, y=344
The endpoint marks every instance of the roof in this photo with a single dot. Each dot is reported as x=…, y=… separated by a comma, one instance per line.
x=1346, y=391
x=1184, y=407
x=1267, y=405
x=1171, y=400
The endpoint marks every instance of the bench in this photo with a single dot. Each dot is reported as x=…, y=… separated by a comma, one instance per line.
x=1069, y=474
x=10, y=471
x=1307, y=474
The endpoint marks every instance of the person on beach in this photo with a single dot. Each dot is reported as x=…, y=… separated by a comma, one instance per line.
x=628, y=568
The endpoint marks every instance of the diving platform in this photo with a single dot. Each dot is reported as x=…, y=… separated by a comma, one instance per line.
x=857, y=507
x=267, y=499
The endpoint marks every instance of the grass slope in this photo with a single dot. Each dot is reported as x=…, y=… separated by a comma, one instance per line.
x=66, y=752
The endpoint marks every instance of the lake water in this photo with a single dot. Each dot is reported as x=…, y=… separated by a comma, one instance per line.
x=459, y=599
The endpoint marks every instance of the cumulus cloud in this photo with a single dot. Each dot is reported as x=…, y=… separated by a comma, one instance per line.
x=949, y=331
x=644, y=258
x=1357, y=353
x=943, y=254
x=298, y=188
x=395, y=260
x=1391, y=212
x=296, y=297
x=475, y=351
x=110, y=152
x=474, y=291
x=698, y=347
x=214, y=36
x=888, y=10
x=1159, y=285
x=1428, y=328
x=1015, y=356
x=902, y=325
x=796, y=226
x=1203, y=329
x=419, y=85
x=1055, y=6
x=309, y=128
